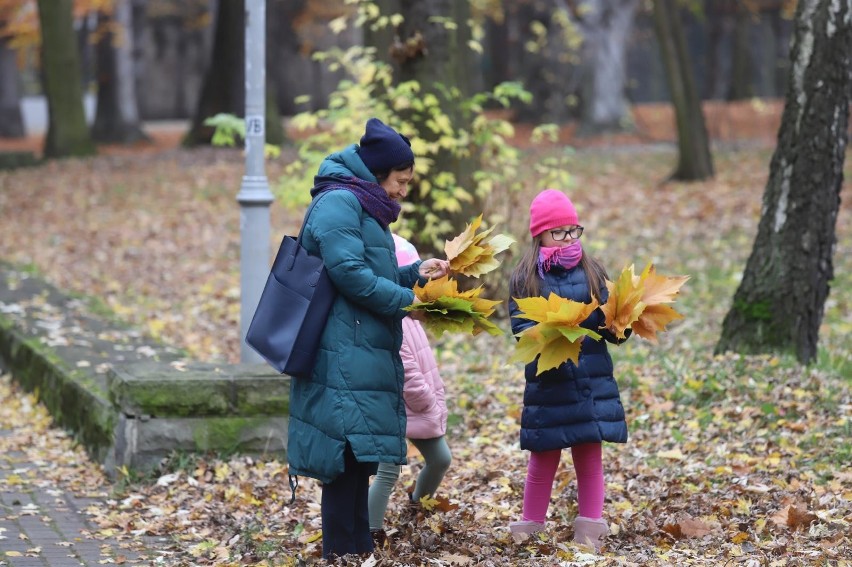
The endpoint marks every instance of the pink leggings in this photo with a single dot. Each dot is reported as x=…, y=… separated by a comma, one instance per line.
x=590, y=483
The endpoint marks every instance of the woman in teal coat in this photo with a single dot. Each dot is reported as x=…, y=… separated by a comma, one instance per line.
x=350, y=415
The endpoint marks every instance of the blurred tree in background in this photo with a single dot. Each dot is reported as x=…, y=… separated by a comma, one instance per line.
x=67, y=133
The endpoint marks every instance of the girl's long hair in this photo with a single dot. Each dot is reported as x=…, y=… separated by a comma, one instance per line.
x=525, y=281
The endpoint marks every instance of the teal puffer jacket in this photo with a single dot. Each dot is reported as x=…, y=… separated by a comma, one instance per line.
x=355, y=392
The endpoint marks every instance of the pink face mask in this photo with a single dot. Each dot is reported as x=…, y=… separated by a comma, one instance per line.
x=565, y=256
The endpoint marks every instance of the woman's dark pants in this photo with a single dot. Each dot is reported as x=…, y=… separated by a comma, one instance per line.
x=345, y=517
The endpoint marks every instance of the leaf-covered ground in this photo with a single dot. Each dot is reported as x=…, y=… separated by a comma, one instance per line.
x=731, y=460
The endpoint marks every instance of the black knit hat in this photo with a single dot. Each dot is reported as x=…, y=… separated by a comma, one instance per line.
x=383, y=148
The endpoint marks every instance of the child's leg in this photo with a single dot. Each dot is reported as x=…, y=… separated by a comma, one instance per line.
x=436, y=454
x=588, y=465
x=540, y=473
x=380, y=491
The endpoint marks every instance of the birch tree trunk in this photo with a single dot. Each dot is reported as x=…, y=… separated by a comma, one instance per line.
x=780, y=302
x=606, y=27
x=67, y=132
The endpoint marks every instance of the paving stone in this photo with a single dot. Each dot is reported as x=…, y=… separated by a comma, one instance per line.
x=16, y=500
x=27, y=562
x=54, y=522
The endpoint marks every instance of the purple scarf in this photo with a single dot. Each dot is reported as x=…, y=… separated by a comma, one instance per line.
x=564, y=256
x=372, y=196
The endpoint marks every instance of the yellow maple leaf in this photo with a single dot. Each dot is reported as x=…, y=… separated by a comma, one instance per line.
x=636, y=302
x=557, y=336
x=657, y=291
x=660, y=289
x=448, y=309
x=473, y=254
x=440, y=287
x=654, y=319
x=624, y=304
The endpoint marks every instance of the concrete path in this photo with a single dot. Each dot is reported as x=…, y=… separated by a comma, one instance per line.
x=42, y=520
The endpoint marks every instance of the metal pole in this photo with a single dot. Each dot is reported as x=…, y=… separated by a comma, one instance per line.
x=254, y=196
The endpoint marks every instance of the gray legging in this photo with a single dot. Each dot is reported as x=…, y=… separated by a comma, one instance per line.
x=436, y=454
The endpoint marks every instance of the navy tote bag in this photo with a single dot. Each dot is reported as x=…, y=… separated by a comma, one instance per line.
x=293, y=309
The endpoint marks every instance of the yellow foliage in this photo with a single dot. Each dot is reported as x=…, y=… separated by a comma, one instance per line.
x=637, y=302
x=624, y=304
x=473, y=254
x=448, y=309
x=557, y=336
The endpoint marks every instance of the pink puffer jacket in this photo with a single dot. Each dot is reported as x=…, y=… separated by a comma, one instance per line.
x=425, y=404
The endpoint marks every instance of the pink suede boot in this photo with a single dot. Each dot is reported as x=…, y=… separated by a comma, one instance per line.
x=590, y=532
x=524, y=529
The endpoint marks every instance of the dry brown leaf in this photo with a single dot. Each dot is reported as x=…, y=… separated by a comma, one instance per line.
x=455, y=559
x=674, y=530
x=688, y=527
x=694, y=528
x=794, y=516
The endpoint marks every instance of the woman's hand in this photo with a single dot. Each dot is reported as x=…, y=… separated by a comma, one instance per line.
x=434, y=268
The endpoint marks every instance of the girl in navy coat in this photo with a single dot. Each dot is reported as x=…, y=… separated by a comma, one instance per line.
x=576, y=406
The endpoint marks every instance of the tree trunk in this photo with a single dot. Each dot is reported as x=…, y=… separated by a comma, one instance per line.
x=440, y=60
x=224, y=80
x=296, y=31
x=780, y=302
x=781, y=29
x=742, y=67
x=11, y=119
x=67, y=132
x=172, y=47
x=383, y=37
x=117, y=115
x=497, y=59
x=273, y=122
x=718, y=25
x=549, y=72
x=606, y=28
x=694, y=159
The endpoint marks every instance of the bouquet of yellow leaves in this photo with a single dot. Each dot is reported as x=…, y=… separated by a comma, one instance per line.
x=473, y=254
x=448, y=309
x=557, y=335
x=637, y=302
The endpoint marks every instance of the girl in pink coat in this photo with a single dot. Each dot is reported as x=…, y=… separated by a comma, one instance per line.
x=425, y=407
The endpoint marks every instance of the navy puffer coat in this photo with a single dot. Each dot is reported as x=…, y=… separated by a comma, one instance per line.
x=571, y=404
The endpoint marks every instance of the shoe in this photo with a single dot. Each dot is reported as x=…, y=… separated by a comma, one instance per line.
x=522, y=530
x=590, y=532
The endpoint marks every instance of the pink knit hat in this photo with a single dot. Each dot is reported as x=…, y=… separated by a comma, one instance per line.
x=549, y=209
x=406, y=253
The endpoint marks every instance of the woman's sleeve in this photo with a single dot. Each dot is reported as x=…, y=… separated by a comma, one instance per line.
x=410, y=275
x=335, y=223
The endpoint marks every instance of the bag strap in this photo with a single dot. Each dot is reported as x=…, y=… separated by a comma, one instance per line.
x=307, y=214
